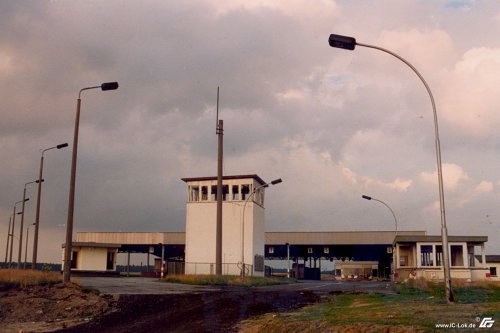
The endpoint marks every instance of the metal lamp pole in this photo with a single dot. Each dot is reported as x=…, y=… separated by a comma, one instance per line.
x=12, y=229
x=349, y=43
x=274, y=182
x=71, y=204
x=39, y=196
x=22, y=224
x=8, y=238
x=383, y=203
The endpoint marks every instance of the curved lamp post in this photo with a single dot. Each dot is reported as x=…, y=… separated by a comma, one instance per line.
x=22, y=224
x=349, y=43
x=8, y=238
x=71, y=204
x=13, y=225
x=383, y=203
x=274, y=182
x=37, y=218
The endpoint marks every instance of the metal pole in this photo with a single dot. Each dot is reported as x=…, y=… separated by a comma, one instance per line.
x=383, y=203
x=12, y=235
x=71, y=204
x=26, y=247
x=288, y=260
x=37, y=217
x=71, y=201
x=162, y=260
x=21, y=230
x=251, y=195
x=8, y=238
x=218, y=238
x=444, y=231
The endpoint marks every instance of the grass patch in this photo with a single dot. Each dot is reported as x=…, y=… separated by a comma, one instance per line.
x=415, y=307
x=19, y=278
x=224, y=280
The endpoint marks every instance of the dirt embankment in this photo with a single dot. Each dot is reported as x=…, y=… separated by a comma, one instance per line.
x=71, y=309
x=51, y=308
x=219, y=311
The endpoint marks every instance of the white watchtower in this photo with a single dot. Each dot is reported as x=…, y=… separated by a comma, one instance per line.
x=238, y=245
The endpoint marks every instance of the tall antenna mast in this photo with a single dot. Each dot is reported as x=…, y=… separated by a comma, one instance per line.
x=218, y=232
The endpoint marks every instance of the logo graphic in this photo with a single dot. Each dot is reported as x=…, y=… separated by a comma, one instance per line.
x=486, y=322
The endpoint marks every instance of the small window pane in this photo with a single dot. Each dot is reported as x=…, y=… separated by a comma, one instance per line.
x=204, y=193
x=213, y=193
x=236, y=192
x=245, y=191
x=194, y=193
x=426, y=255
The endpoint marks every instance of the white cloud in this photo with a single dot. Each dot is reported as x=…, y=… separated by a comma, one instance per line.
x=453, y=175
x=470, y=96
x=484, y=187
x=399, y=185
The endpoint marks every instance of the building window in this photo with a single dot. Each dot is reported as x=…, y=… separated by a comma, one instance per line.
x=204, y=193
x=236, y=192
x=194, y=193
x=426, y=255
x=259, y=196
x=457, y=255
x=245, y=191
x=271, y=250
x=439, y=255
x=213, y=193
x=493, y=271
x=225, y=192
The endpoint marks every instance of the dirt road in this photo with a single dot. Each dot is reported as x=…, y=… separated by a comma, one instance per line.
x=210, y=309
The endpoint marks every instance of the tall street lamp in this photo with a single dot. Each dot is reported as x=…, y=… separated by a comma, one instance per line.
x=349, y=43
x=274, y=182
x=12, y=229
x=383, y=203
x=8, y=238
x=71, y=205
x=39, y=196
x=22, y=224
x=26, y=246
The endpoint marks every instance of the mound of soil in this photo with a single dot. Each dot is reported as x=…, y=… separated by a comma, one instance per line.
x=218, y=311
x=51, y=308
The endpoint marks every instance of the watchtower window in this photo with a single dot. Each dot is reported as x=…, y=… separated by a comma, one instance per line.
x=245, y=191
x=204, y=193
x=213, y=192
x=236, y=192
x=194, y=193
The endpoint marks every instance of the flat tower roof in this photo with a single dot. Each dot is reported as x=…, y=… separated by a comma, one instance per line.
x=252, y=176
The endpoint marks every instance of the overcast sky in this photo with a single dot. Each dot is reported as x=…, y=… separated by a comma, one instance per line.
x=333, y=124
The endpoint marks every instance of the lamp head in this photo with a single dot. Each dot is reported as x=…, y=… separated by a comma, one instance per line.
x=366, y=197
x=276, y=181
x=62, y=145
x=109, y=86
x=342, y=42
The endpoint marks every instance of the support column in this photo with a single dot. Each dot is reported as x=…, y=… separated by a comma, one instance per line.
x=128, y=263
